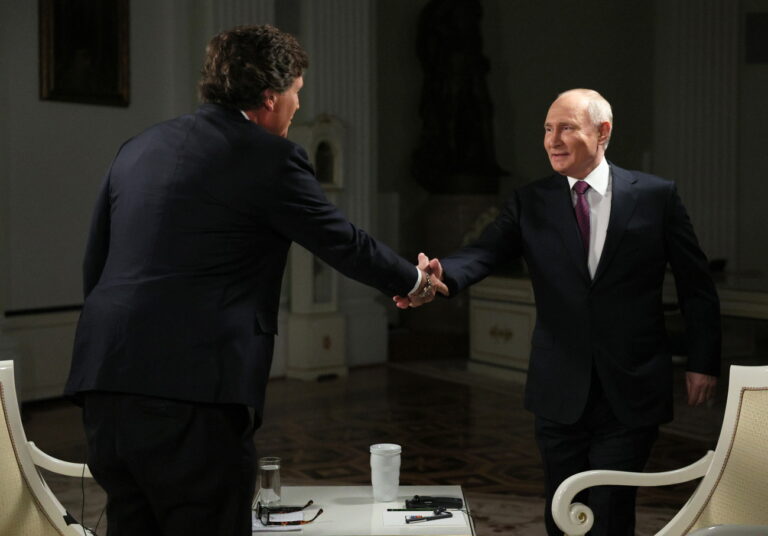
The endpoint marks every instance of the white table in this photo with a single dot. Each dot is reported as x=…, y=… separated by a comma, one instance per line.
x=350, y=511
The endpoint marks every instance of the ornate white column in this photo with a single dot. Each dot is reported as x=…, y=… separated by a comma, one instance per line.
x=316, y=335
x=340, y=38
x=696, y=114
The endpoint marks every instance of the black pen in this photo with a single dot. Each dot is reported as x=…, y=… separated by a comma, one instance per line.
x=419, y=519
x=410, y=509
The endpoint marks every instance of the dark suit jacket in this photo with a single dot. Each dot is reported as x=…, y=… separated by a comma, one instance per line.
x=615, y=322
x=186, y=254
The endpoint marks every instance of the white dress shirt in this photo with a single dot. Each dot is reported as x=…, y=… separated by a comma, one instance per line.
x=599, y=199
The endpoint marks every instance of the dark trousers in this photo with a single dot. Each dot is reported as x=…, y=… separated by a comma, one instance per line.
x=596, y=441
x=171, y=468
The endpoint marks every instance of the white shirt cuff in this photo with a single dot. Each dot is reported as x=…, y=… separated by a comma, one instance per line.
x=418, y=282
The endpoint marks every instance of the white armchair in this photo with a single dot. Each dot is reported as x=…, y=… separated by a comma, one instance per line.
x=27, y=504
x=731, y=499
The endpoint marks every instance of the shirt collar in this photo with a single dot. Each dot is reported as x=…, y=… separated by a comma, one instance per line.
x=597, y=179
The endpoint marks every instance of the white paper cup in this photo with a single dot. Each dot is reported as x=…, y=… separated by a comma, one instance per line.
x=385, y=471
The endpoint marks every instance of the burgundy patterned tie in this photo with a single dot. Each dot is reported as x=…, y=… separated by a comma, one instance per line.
x=582, y=211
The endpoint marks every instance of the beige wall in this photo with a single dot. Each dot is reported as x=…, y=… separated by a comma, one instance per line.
x=55, y=153
x=52, y=158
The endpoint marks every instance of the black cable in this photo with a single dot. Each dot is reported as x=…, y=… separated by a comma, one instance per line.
x=82, y=500
x=98, y=521
x=92, y=532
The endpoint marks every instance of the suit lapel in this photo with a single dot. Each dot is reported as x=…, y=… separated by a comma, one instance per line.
x=623, y=201
x=564, y=219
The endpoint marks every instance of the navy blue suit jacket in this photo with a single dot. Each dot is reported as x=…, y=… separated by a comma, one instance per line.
x=614, y=322
x=186, y=254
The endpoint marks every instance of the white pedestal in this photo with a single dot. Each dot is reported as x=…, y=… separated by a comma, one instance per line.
x=502, y=316
x=316, y=345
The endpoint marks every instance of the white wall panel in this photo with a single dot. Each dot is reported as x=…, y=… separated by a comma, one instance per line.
x=340, y=38
x=696, y=113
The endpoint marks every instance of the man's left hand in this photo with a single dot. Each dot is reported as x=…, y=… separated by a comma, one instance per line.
x=700, y=387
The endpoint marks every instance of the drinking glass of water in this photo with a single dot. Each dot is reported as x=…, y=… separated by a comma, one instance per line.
x=269, y=481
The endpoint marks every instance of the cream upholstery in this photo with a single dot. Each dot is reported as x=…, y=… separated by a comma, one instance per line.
x=27, y=505
x=740, y=494
x=734, y=488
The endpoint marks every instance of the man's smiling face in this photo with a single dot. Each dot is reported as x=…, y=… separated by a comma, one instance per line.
x=573, y=142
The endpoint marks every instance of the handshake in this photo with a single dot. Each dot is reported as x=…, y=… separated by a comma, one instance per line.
x=431, y=283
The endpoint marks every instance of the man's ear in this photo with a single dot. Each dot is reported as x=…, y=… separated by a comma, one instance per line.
x=604, y=132
x=270, y=97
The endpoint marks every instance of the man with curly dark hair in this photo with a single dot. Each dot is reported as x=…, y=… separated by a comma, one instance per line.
x=182, y=279
x=236, y=74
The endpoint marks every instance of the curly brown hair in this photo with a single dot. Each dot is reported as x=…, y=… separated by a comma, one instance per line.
x=240, y=64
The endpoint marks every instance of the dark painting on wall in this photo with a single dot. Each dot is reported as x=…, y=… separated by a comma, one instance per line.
x=84, y=51
x=756, y=37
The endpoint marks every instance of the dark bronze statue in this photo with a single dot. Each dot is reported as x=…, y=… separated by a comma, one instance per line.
x=456, y=153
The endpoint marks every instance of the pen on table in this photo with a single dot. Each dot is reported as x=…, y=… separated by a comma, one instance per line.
x=419, y=519
x=411, y=509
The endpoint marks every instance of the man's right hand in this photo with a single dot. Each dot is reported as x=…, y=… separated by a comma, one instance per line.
x=431, y=283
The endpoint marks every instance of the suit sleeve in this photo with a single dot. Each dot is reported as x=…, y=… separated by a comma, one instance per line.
x=301, y=212
x=97, y=246
x=499, y=243
x=696, y=290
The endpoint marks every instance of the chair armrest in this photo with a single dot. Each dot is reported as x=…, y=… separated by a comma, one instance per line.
x=732, y=530
x=576, y=519
x=55, y=465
